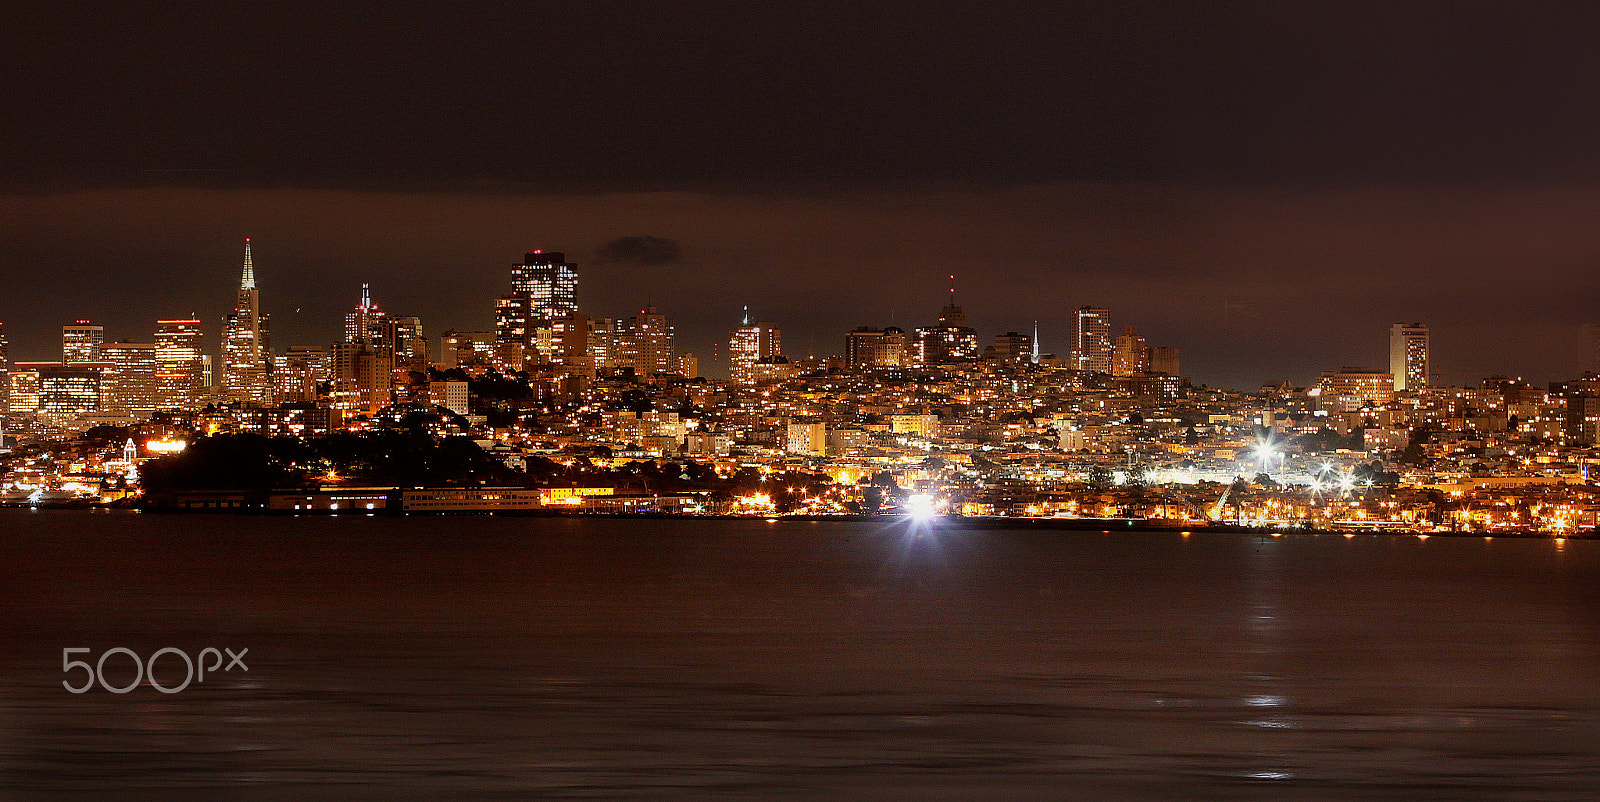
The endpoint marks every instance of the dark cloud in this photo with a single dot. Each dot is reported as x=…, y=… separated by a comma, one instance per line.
x=642, y=250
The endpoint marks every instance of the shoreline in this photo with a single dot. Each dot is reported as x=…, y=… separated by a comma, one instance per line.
x=1102, y=525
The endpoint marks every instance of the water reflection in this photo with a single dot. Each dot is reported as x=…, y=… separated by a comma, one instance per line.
x=526, y=658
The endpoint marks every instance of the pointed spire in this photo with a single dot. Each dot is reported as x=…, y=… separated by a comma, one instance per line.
x=746, y=314
x=249, y=280
x=366, y=297
x=1034, y=357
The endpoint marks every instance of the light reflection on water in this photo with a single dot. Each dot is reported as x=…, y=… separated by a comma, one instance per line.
x=515, y=658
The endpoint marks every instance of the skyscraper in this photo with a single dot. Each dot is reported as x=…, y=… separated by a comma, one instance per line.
x=129, y=386
x=549, y=283
x=403, y=335
x=365, y=322
x=298, y=373
x=80, y=342
x=180, y=364
x=1091, y=339
x=246, y=357
x=1130, y=354
x=748, y=345
x=860, y=346
x=644, y=342
x=1010, y=348
x=1408, y=356
x=952, y=340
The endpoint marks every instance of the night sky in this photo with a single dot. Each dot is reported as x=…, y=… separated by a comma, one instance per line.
x=1265, y=185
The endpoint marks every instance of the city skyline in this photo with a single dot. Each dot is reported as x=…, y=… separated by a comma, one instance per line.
x=1247, y=183
x=92, y=334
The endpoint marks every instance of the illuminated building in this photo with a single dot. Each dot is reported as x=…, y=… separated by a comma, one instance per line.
x=810, y=439
x=80, y=342
x=894, y=350
x=513, y=320
x=180, y=365
x=297, y=374
x=1408, y=356
x=1091, y=339
x=365, y=322
x=949, y=341
x=466, y=349
x=246, y=353
x=1130, y=354
x=25, y=387
x=868, y=347
x=1011, y=347
x=5, y=372
x=548, y=282
x=569, y=343
x=645, y=343
x=453, y=396
x=749, y=344
x=544, y=289
x=860, y=345
x=924, y=426
x=404, y=337
x=1582, y=426
x=68, y=391
x=129, y=384
x=1368, y=386
x=363, y=375
x=770, y=369
x=603, y=343
x=688, y=365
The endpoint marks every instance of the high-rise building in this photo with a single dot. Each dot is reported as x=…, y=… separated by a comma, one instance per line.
x=67, y=392
x=645, y=343
x=1010, y=348
x=246, y=353
x=25, y=386
x=1091, y=339
x=513, y=319
x=868, y=347
x=1130, y=354
x=128, y=386
x=951, y=340
x=749, y=344
x=466, y=349
x=894, y=350
x=80, y=342
x=180, y=365
x=1408, y=356
x=688, y=365
x=603, y=343
x=861, y=345
x=404, y=336
x=5, y=372
x=365, y=322
x=297, y=375
x=548, y=282
x=363, y=375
